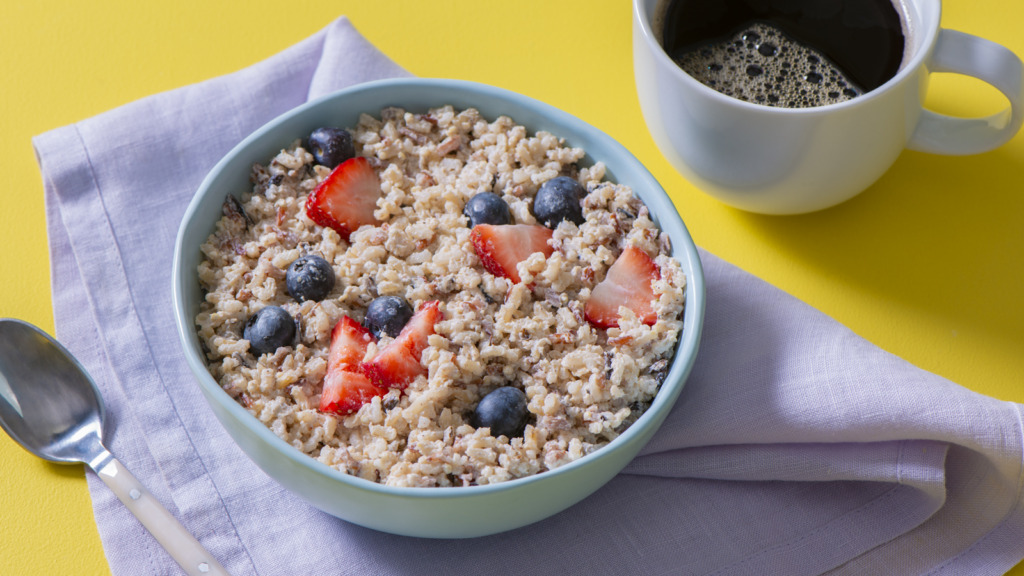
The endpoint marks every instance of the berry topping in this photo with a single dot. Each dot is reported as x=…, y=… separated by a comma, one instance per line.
x=503, y=411
x=346, y=388
x=309, y=277
x=331, y=146
x=487, y=208
x=387, y=315
x=398, y=363
x=345, y=392
x=501, y=248
x=349, y=341
x=628, y=283
x=559, y=199
x=269, y=329
x=346, y=199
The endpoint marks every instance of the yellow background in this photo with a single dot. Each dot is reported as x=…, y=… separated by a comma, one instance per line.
x=928, y=263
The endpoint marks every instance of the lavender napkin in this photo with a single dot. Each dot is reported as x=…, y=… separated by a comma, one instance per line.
x=796, y=446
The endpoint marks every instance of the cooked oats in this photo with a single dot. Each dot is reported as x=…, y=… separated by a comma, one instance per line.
x=584, y=385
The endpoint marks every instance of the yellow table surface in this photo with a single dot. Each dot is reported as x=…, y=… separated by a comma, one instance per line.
x=928, y=263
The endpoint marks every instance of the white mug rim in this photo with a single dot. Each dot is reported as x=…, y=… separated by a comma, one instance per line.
x=928, y=39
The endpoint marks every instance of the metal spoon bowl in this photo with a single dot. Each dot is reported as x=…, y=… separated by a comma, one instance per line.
x=51, y=407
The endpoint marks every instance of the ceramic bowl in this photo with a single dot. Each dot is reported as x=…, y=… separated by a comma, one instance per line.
x=428, y=512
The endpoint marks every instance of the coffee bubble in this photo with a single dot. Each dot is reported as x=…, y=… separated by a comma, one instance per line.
x=761, y=64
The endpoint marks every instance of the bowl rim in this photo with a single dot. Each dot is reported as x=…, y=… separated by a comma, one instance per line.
x=663, y=212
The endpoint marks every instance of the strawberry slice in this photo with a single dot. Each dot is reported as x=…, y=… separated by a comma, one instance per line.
x=349, y=341
x=346, y=391
x=398, y=363
x=628, y=283
x=502, y=247
x=346, y=199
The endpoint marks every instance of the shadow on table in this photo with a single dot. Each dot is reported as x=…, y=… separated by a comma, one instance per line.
x=942, y=235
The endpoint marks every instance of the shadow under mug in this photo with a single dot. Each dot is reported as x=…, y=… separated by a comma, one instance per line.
x=794, y=160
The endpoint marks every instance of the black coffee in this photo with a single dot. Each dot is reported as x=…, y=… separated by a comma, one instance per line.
x=786, y=53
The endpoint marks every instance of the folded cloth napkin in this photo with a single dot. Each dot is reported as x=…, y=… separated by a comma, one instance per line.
x=796, y=446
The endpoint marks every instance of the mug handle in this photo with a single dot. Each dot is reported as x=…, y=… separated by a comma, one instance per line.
x=989, y=62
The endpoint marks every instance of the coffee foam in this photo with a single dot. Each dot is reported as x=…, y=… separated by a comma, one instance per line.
x=760, y=64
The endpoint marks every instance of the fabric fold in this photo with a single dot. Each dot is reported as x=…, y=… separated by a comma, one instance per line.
x=796, y=447
x=348, y=59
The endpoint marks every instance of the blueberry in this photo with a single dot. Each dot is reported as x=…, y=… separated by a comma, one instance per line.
x=503, y=411
x=309, y=277
x=331, y=146
x=487, y=208
x=268, y=330
x=387, y=315
x=559, y=199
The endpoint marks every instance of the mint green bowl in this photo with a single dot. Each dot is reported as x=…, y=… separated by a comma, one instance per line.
x=428, y=512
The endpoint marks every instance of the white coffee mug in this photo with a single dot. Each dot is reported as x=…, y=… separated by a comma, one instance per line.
x=794, y=160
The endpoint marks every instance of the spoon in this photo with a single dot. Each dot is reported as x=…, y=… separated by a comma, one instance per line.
x=50, y=405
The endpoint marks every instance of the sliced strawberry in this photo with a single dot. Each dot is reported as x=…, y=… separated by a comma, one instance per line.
x=346, y=199
x=398, y=363
x=346, y=388
x=349, y=341
x=346, y=391
x=502, y=247
x=628, y=283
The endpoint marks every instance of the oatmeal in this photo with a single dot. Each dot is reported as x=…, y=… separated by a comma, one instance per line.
x=404, y=334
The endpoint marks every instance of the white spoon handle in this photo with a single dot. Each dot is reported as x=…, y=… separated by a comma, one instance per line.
x=182, y=546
